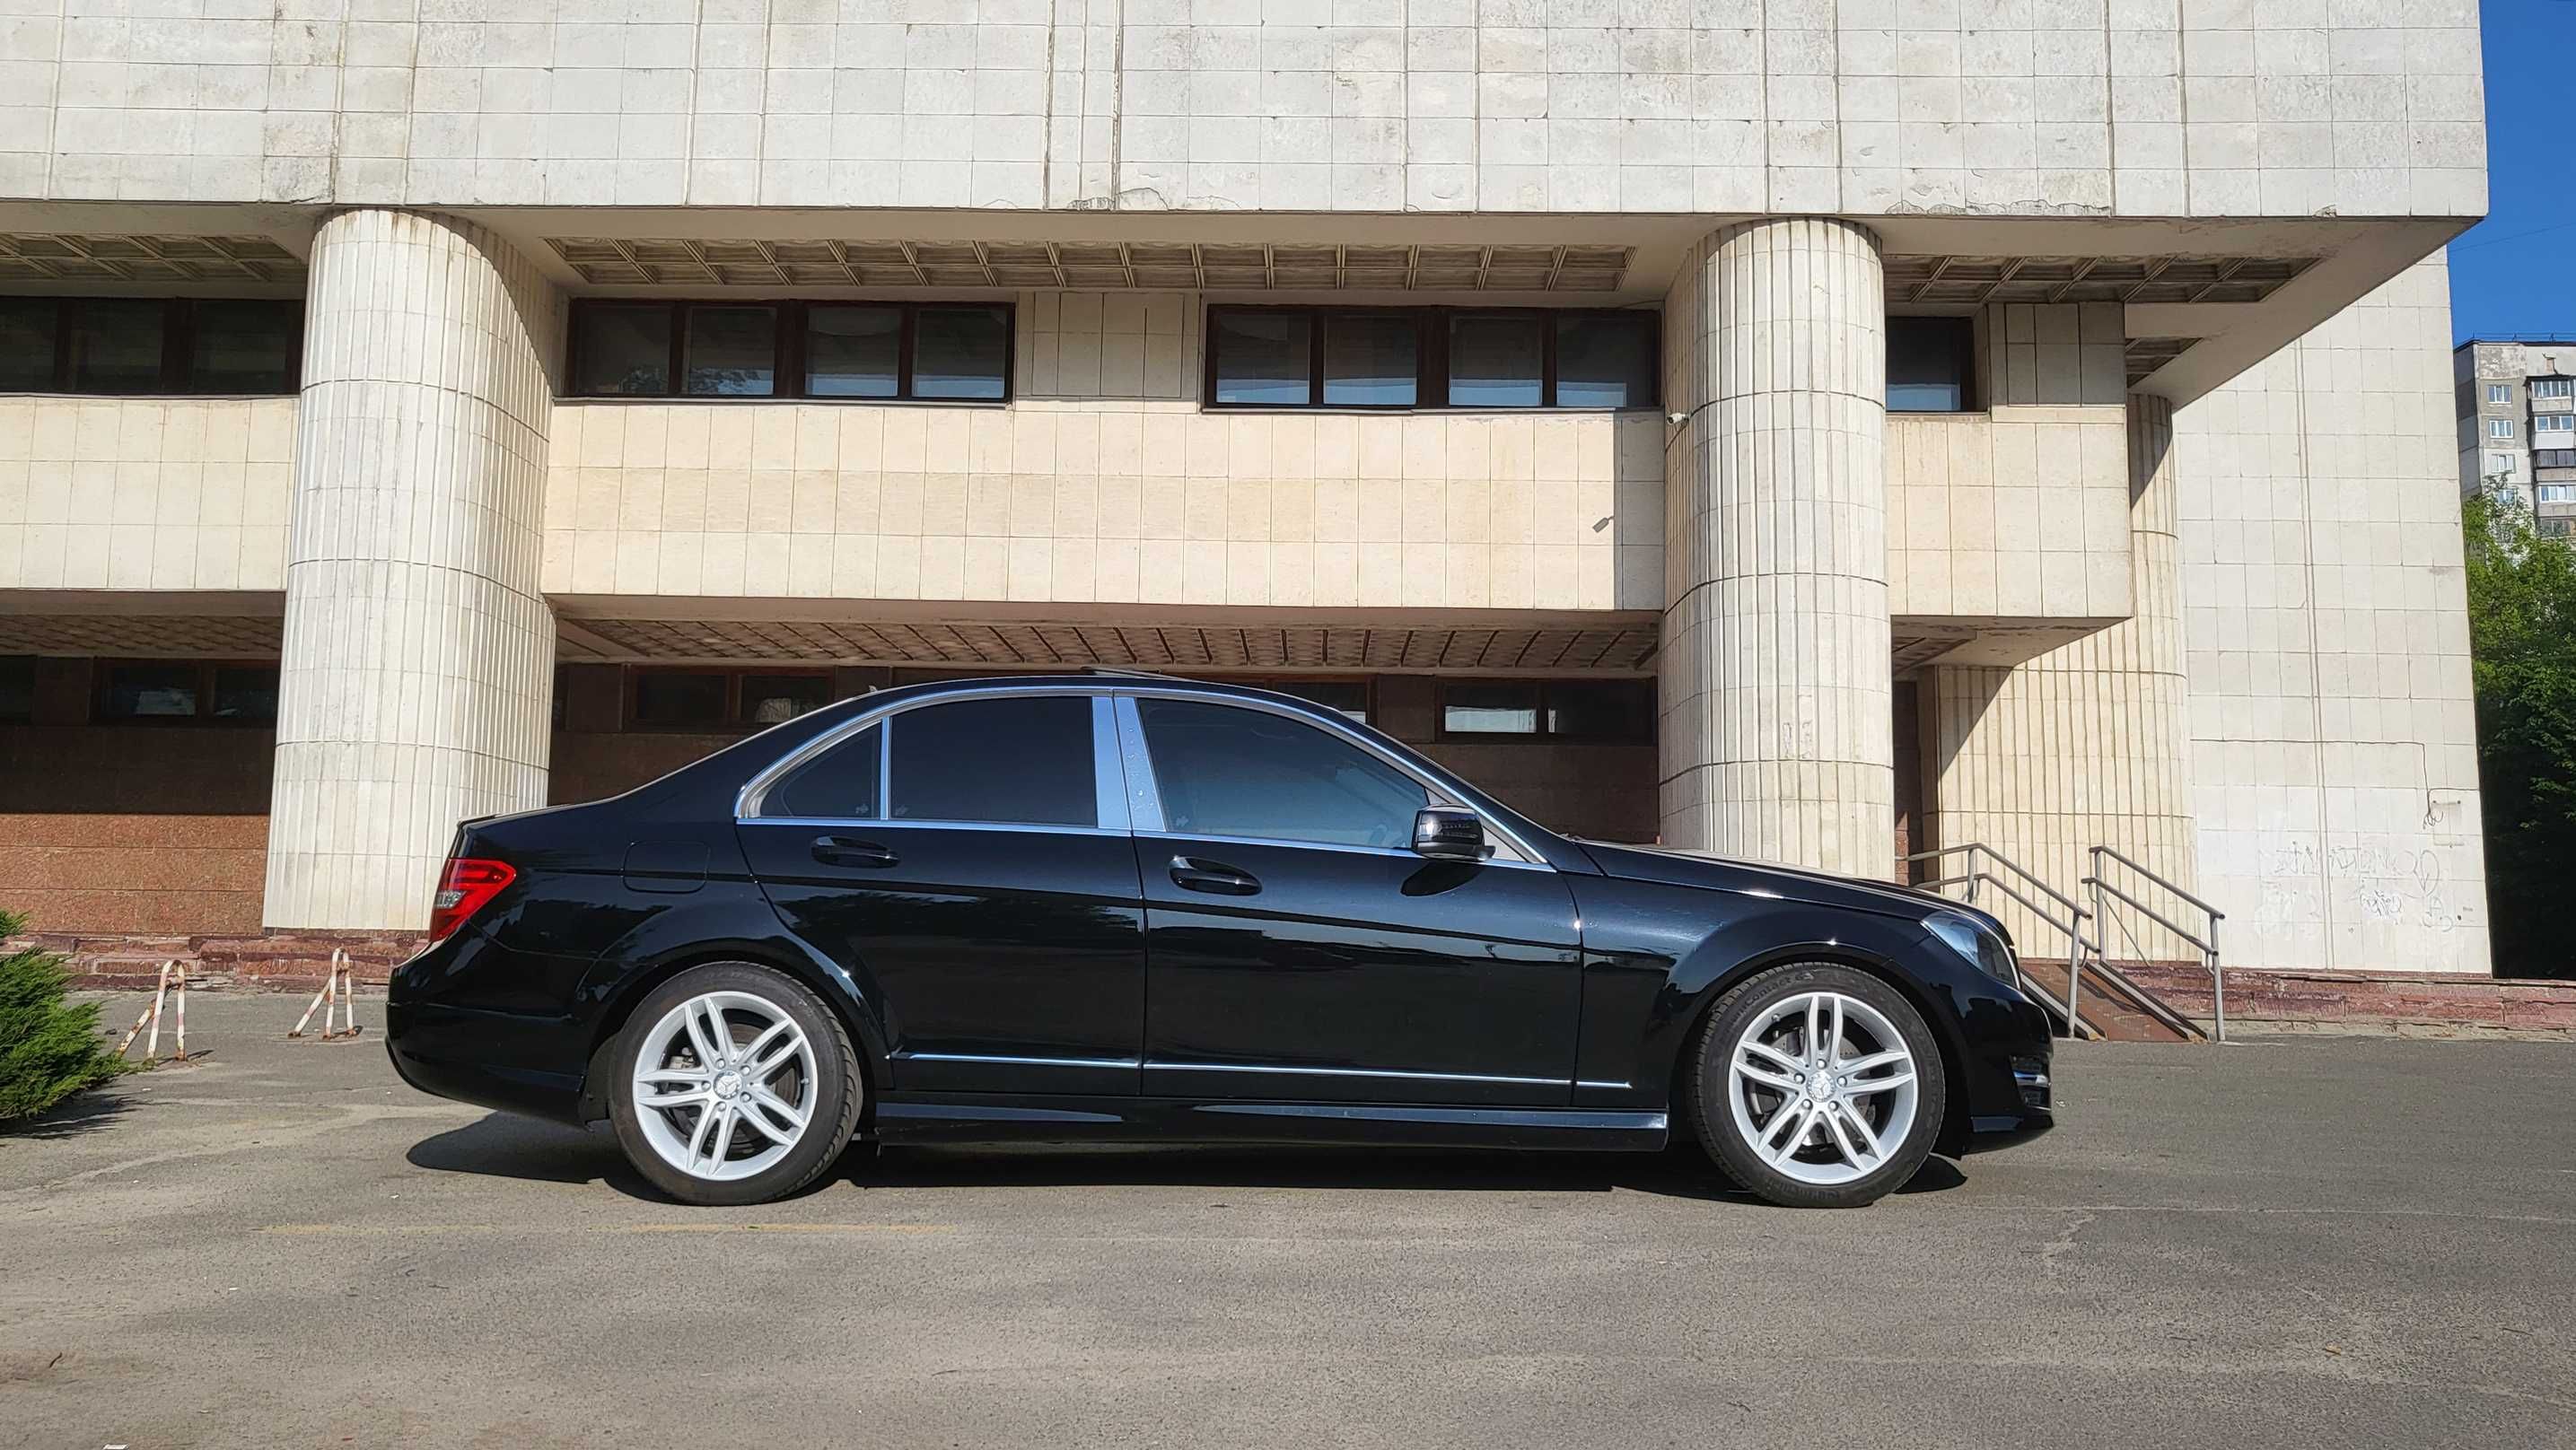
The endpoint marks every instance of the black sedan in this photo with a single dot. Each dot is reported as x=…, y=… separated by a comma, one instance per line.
x=1121, y=907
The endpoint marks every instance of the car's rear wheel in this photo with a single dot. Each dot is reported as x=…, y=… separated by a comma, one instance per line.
x=735, y=1084
x=1817, y=1086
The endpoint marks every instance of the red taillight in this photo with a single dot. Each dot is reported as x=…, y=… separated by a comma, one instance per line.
x=468, y=884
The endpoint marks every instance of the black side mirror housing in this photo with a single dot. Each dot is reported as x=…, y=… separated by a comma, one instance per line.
x=1449, y=833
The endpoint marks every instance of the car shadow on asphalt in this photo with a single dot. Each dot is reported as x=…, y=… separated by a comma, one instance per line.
x=501, y=1145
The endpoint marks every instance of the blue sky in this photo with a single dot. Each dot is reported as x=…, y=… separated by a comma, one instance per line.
x=2516, y=271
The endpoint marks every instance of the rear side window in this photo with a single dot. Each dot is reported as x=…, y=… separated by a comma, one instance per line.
x=1226, y=771
x=838, y=785
x=1018, y=760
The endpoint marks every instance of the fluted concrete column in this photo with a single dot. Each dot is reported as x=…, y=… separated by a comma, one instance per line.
x=1776, y=683
x=419, y=654
x=2085, y=745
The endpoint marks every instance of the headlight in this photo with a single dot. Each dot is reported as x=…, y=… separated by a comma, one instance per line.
x=1982, y=948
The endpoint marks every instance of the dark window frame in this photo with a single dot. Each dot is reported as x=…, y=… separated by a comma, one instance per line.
x=103, y=672
x=733, y=722
x=788, y=350
x=1543, y=687
x=1971, y=349
x=1430, y=358
x=178, y=346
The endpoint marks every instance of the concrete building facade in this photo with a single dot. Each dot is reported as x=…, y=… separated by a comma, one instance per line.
x=1819, y=433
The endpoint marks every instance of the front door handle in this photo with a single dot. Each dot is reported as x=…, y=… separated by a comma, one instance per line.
x=1192, y=873
x=851, y=851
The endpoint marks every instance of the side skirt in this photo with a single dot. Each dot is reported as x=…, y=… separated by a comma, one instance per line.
x=994, y=1118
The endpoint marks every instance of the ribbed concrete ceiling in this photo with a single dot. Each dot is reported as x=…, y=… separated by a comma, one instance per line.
x=1142, y=646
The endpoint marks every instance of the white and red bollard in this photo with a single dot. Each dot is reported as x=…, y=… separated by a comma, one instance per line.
x=171, y=992
x=339, y=992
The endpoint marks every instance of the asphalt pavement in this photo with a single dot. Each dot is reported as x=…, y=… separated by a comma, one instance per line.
x=2318, y=1242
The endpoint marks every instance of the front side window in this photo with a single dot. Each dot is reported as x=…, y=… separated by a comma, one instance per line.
x=1931, y=364
x=2554, y=423
x=2558, y=493
x=892, y=351
x=2502, y=392
x=2552, y=388
x=1223, y=770
x=838, y=785
x=2501, y=463
x=1407, y=357
x=2499, y=427
x=1015, y=760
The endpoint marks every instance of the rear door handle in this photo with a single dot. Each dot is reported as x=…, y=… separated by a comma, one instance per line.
x=1192, y=873
x=851, y=851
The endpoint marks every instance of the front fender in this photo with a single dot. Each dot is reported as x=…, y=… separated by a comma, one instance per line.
x=1656, y=955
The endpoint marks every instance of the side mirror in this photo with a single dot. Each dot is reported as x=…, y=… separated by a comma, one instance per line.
x=1448, y=833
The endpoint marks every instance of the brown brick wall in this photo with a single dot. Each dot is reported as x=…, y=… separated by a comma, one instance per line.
x=134, y=829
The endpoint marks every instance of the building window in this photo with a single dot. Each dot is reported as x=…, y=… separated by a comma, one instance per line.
x=1348, y=698
x=2553, y=388
x=2549, y=458
x=1931, y=364
x=2499, y=392
x=1611, y=711
x=150, y=345
x=1387, y=358
x=714, y=701
x=2554, y=528
x=2545, y=424
x=2558, y=493
x=193, y=692
x=17, y=689
x=2500, y=428
x=2501, y=465
x=871, y=351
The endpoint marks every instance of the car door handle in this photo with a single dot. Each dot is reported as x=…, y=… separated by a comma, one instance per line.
x=851, y=851
x=1191, y=873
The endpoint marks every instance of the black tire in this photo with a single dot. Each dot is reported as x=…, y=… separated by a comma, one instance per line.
x=839, y=1087
x=1713, y=1114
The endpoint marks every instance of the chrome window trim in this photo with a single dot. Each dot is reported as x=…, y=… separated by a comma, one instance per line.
x=1142, y=799
x=747, y=801
x=1368, y=1072
x=845, y=822
x=1414, y=856
x=1337, y=727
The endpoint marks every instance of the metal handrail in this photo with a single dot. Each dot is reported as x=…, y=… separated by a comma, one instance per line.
x=2073, y=925
x=2207, y=943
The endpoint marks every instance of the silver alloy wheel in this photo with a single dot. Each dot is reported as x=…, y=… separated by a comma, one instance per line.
x=1822, y=1087
x=724, y=1085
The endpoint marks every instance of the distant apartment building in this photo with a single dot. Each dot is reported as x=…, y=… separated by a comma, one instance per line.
x=2518, y=423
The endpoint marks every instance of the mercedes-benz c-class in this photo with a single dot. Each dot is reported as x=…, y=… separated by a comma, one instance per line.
x=1116, y=907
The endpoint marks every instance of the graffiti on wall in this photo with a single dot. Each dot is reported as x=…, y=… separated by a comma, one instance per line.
x=2374, y=885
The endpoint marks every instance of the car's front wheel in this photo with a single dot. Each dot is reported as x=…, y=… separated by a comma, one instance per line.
x=735, y=1084
x=1817, y=1086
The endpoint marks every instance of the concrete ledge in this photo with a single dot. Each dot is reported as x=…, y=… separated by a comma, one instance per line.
x=2397, y=1003
x=270, y=961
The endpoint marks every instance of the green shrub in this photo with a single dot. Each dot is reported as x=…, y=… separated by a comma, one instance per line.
x=49, y=1048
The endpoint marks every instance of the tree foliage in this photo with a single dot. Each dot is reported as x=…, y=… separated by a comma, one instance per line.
x=49, y=1048
x=2522, y=634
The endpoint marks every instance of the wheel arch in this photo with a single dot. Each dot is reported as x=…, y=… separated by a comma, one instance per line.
x=842, y=997
x=1953, y=1136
